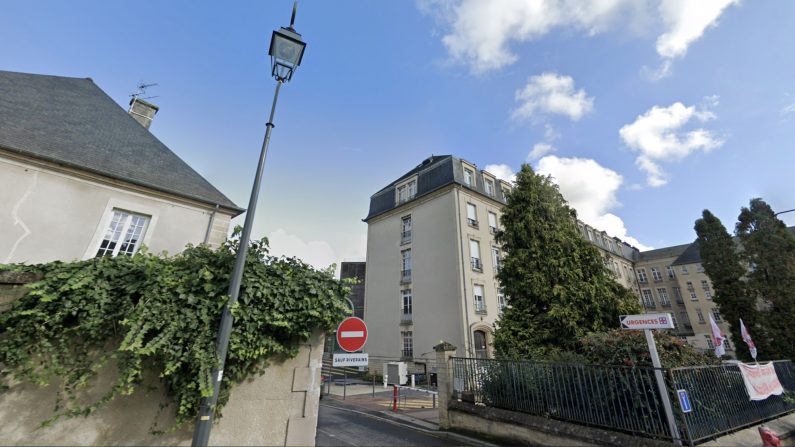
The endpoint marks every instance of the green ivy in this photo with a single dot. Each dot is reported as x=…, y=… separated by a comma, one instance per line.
x=146, y=311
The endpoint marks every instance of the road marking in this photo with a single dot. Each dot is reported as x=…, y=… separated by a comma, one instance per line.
x=351, y=334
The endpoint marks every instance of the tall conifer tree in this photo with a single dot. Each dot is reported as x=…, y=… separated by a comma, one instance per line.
x=769, y=253
x=722, y=264
x=558, y=285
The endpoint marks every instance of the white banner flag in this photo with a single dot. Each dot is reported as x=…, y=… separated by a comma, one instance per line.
x=747, y=339
x=760, y=380
x=717, y=338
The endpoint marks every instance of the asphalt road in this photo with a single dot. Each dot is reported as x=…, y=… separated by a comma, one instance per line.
x=342, y=427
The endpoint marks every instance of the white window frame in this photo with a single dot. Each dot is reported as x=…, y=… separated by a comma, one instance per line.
x=492, y=222
x=408, y=344
x=700, y=316
x=410, y=188
x=648, y=299
x=656, y=274
x=472, y=215
x=488, y=186
x=642, y=275
x=479, y=300
x=662, y=292
x=716, y=315
x=500, y=299
x=496, y=258
x=405, y=229
x=107, y=216
x=469, y=176
x=474, y=255
x=671, y=271
x=405, y=265
x=407, y=302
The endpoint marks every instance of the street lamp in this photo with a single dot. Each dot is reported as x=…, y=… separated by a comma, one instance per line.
x=286, y=51
x=782, y=212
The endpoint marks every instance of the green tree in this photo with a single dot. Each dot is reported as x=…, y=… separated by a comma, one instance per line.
x=721, y=262
x=559, y=286
x=769, y=253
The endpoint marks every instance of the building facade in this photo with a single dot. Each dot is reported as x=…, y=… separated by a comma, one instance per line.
x=81, y=177
x=431, y=261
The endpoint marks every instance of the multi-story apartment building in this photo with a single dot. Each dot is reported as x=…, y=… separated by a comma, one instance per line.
x=431, y=260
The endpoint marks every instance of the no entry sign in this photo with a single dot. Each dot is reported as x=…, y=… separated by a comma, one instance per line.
x=352, y=334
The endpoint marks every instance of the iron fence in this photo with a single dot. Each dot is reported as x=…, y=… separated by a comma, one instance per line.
x=612, y=397
x=721, y=404
x=624, y=399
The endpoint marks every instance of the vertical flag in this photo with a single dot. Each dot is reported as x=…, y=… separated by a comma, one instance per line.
x=747, y=339
x=717, y=338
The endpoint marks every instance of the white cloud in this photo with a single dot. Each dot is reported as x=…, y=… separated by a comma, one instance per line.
x=590, y=189
x=539, y=150
x=480, y=32
x=553, y=94
x=658, y=137
x=788, y=110
x=501, y=171
x=319, y=254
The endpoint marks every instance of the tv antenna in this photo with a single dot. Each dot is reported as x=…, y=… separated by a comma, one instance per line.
x=140, y=90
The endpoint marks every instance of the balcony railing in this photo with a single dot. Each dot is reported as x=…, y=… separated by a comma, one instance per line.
x=407, y=354
x=406, y=318
x=650, y=305
x=492, y=230
x=480, y=307
x=472, y=222
x=405, y=276
x=405, y=237
x=476, y=264
x=665, y=303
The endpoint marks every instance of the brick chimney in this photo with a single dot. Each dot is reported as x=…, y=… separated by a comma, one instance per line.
x=143, y=112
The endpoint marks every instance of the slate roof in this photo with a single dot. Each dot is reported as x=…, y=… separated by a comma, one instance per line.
x=661, y=253
x=435, y=172
x=72, y=122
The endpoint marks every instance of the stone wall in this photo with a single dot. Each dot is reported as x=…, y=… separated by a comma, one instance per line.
x=278, y=408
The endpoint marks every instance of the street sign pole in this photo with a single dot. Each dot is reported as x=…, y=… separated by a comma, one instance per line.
x=655, y=361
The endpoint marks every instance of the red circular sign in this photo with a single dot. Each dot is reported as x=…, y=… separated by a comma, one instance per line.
x=352, y=334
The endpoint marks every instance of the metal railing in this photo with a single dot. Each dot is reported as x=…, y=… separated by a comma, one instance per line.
x=405, y=317
x=720, y=402
x=612, y=397
x=480, y=307
x=476, y=264
x=405, y=276
x=405, y=237
x=624, y=399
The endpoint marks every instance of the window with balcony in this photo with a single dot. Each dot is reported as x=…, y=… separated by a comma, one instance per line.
x=500, y=299
x=124, y=234
x=496, y=259
x=492, y=222
x=662, y=292
x=700, y=316
x=472, y=215
x=692, y=291
x=489, y=186
x=405, y=230
x=469, y=177
x=480, y=301
x=655, y=274
x=408, y=344
x=648, y=299
x=474, y=255
x=407, y=310
x=671, y=273
x=405, y=265
x=642, y=275
x=406, y=191
x=678, y=295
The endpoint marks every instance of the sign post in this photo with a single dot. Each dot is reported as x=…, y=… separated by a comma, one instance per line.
x=351, y=337
x=647, y=322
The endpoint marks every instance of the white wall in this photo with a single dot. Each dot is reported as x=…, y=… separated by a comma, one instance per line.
x=48, y=214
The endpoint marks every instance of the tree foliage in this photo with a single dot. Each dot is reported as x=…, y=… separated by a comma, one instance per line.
x=769, y=253
x=559, y=286
x=629, y=348
x=147, y=311
x=721, y=262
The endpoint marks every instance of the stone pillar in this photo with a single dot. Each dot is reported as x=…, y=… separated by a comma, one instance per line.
x=444, y=377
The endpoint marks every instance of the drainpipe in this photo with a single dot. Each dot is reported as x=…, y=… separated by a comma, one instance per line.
x=210, y=224
x=468, y=335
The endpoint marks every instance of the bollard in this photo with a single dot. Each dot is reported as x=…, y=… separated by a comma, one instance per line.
x=373, y=385
x=344, y=385
x=394, y=398
x=434, y=400
x=412, y=381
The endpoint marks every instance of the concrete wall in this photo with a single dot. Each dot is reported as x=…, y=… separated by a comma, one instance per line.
x=278, y=408
x=49, y=213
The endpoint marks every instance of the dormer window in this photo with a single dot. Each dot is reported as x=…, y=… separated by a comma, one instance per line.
x=469, y=177
x=489, y=186
x=406, y=191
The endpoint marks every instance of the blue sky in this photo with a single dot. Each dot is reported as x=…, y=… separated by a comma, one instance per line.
x=645, y=111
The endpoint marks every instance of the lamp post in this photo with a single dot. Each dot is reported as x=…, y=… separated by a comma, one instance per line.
x=782, y=212
x=286, y=51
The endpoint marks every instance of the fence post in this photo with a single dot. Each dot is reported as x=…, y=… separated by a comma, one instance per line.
x=444, y=380
x=666, y=401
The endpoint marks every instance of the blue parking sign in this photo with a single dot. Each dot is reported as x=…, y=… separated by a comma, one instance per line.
x=684, y=401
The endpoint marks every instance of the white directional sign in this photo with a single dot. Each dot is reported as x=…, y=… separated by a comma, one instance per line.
x=360, y=359
x=647, y=321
